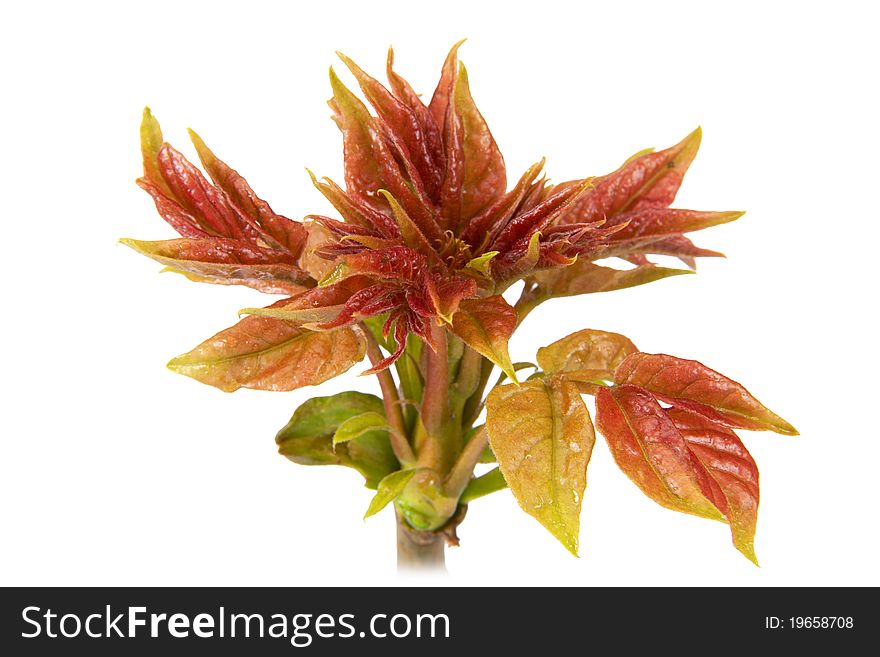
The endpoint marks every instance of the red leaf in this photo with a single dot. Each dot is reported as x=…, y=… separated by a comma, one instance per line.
x=316, y=306
x=522, y=226
x=732, y=467
x=479, y=230
x=651, y=451
x=355, y=211
x=265, y=353
x=681, y=460
x=373, y=300
x=399, y=264
x=446, y=292
x=432, y=133
x=585, y=277
x=443, y=92
x=228, y=262
x=171, y=211
x=654, y=223
x=401, y=329
x=677, y=246
x=370, y=164
x=486, y=325
x=198, y=197
x=290, y=235
x=475, y=172
x=690, y=384
x=363, y=172
x=648, y=180
x=403, y=123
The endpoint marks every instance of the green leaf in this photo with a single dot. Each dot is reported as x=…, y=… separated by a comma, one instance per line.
x=481, y=263
x=307, y=437
x=483, y=485
x=265, y=353
x=389, y=488
x=357, y=426
x=151, y=143
x=486, y=325
x=543, y=437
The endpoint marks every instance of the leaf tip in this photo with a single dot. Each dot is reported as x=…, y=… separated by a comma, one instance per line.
x=176, y=365
x=747, y=549
x=786, y=428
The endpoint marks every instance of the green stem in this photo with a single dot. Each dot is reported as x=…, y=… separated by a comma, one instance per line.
x=527, y=302
x=475, y=403
x=463, y=469
x=419, y=550
x=391, y=401
x=465, y=386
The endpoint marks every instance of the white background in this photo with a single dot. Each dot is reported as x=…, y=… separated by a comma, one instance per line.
x=115, y=471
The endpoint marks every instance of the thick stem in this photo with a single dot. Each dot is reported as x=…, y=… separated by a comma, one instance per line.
x=391, y=401
x=433, y=445
x=419, y=550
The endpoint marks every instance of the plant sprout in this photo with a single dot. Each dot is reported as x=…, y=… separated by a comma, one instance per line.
x=410, y=274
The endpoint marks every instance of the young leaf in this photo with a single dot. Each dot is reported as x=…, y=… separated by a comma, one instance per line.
x=363, y=173
x=307, y=437
x=483, y=485
x=403, y=120
x=692, y=385
x=433, y=139
x=651, y=451
x=475, y=172
x=481, y=263
x=542, y=436
x=486, y=325
x=649, y=180
x=265, y=353
x=656, y=223
x=227, y=262
x=412, y=236
x=389, y=488
x=316, y=306
x=151, y=142
x=584, y=277
x=682, y=461
x=588, y=349
x=357, y=426
x=287, y=234
x=731, y=466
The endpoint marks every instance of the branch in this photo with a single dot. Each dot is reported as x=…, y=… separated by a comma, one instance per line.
x=391, y=400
